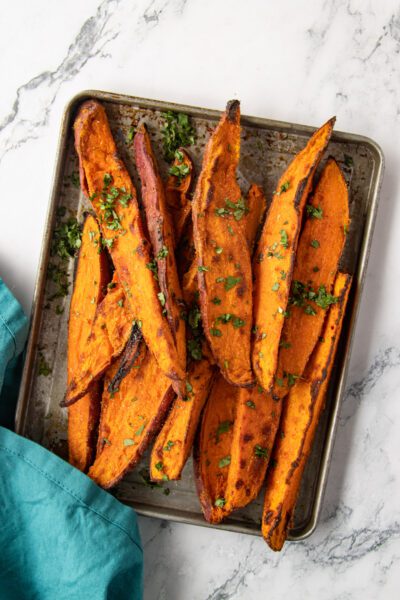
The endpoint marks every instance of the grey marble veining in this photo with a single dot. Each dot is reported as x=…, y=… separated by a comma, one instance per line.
x=303, y=62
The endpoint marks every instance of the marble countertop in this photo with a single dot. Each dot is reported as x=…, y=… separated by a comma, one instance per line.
x=296, y=61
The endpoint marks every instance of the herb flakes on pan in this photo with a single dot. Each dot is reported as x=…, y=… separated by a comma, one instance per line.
x=177, y=131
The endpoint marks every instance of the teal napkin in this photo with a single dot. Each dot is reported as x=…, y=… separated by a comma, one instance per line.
x=61, y=536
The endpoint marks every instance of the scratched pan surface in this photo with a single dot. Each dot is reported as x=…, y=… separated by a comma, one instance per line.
x=267, y=148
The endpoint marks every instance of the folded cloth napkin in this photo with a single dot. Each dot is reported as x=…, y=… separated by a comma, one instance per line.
x=61, y=536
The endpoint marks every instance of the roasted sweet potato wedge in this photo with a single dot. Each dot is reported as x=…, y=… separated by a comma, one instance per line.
x=300, y=416
x=256, y=423
x=274, y=258
x=92, y=276
x=175, y=440
x=212, y=449
x=224, y=265
x=177, y=191
x=162, y=237
x=111, y=329
x=318, y=254
x=106, y=181
x=130, y=419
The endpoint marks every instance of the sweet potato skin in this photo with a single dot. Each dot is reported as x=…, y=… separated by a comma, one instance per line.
x=92, y=275
x=129, y=248
x=213, y=445
x=300, y=417
x=177, y=194
x=109, y=334
x=129, y=421
x=224, y=265
x=274, y=258
x=161, y=234
x=314, y=267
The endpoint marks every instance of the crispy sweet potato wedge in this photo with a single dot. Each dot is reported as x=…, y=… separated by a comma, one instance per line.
x=224, y=266
x=129, y=420
x=92, y=276
x=256, y=423
x=177, y=191
x=320, y=248
x=211, y=452
x=274, y=258
x=111, y=329
x=161, y=234
x=175, y=440
x=300, y=416
x=106, y=181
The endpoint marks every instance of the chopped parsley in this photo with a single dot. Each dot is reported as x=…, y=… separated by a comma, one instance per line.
x=315, y=243
x=215, y=332
x=129, y=442
x=223, y=427
x=163, y=253
x=67, y=239
x=159, y=466
x=194, y=348
x=216, y=300
x=75, y=179
x=250, y=404
x=260, y=452
x=236, y=209
x=314, y=212
x=230, y=282
x=177, y=131
x=43, y=367
x=202, y=269
x=284, y=238
x=168, y=446
x=224, y=462
x=220, y=502
x=179, y=171
x=161, y=297
x=275, y=287
x=284, y=188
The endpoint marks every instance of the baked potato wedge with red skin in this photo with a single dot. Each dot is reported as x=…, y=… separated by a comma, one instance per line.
x=110, y=332
x=106, y=181
x=224, y=264
x=91, y=278
x=300, y=416
x=318, y=254
x=275, y=254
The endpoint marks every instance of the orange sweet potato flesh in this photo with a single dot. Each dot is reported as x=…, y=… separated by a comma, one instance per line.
x=213, y=447
x=105, y=179
x=274, y=257
x=162, y=237
x=110, y=331
x=129, y=421
x=254, y=219
x=300, y=416
x=314, y=267
x=177, y=193
x=224, y=265
x=175, y=440
x=92, y=276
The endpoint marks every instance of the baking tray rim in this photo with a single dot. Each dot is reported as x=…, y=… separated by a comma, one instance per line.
x=360, y=273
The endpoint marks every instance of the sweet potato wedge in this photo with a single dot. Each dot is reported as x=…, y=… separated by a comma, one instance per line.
x=300, y=416
x=106, y=181
x=111, y=329
x=274, y=257
x=177, y=191
x=159, y=225
x=92, y=276
x=318, y=254
x=129, y=420
x=211, y=451
x=175, y=440
x=224, y=265
x=256, y=423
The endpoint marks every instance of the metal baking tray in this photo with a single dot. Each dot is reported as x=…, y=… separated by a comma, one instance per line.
x=267, y=147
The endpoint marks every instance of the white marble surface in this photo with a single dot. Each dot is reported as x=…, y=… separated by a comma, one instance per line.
x=297, y=61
